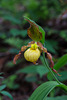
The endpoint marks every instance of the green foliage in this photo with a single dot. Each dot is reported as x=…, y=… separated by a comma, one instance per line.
x=13, y=50
x=10, y=82
x=43, y=90
x=7, y=94
x=43, y=34
x=9, y=5
x=57, y=98
x=2, y=35
x=34, y=9
x=63, y=34
x=61, y=62
x=34, y=69
x=51, y=45
x=31, y=78
x=9, y=64
x=1, y=74
x=63, y=76
x=16, y=32
x=16, y=42
x=2, y=87
x=12, y=19
x=43, y=9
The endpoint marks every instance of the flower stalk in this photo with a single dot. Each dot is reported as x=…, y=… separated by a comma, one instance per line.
x=45, y=63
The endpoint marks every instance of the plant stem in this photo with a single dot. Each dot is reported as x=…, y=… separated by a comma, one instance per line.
x=50, y=69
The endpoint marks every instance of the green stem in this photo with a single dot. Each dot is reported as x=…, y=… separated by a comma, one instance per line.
x=50, y=69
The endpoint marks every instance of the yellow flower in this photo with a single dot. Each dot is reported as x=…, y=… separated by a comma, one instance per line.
x=32, y=54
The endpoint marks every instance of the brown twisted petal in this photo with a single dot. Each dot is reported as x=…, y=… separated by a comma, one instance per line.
x=41, y=47
x=52, y=64
x=23, y=48
x=16, y=57
x=45, y=50
x=56, y=72
x=49, y=56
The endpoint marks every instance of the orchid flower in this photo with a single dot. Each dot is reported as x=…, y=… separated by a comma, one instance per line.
x=34, y=48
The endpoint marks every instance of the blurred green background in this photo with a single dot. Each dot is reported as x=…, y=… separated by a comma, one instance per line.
x=24, y=77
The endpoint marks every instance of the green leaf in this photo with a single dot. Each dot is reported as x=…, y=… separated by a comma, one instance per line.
x=61, y=62
x=10, y=82
x=63, y=34
x=57, y=98
x=63, y=76
x=2, y=35
x=9, y=64
x=40, y=69
x=63, y=86
x=17, y=42
x=43, y=90
x=13, y=50
x=16, y=32
x=35, y=32
x=51, y=45
x=31, y=78
x=2, y=87
x=12, y=19
x=43, y=34
x=14, y=42
x=1, y=77
x=7, y=94
x=50, y=77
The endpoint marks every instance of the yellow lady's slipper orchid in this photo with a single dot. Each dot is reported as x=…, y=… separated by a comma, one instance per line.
x=32, y=54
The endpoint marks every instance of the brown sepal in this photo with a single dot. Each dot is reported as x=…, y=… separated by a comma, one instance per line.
x=45, y=50
x=16, y=58
x=52, y=64
x=23, y=48
x=49, y=56
x=56, y=72
x=41, y=47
